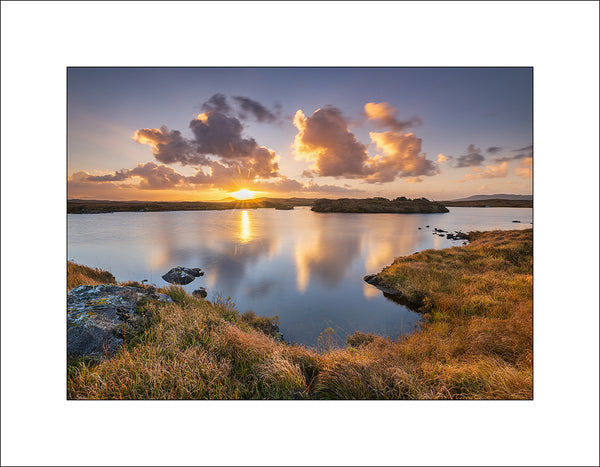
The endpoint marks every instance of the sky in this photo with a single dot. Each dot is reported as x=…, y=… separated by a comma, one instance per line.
x=203, y=133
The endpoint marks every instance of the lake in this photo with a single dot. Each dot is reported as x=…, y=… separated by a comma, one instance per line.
x=304, y=266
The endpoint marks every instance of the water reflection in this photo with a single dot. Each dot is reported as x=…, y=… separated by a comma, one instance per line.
x=325, y=255
x=245, y=233
x=305, y=267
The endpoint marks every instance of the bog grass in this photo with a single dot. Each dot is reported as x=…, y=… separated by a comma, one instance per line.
x=78, y=274
x=476, y=342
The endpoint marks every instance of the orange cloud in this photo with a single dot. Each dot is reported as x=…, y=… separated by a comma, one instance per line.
x=401, y=157
x=441, y=158
x=490, y=171
x=525, y=168
x=384, y=116
x=324, y=139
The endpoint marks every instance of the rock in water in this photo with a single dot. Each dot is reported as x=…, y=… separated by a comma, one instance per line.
x=196, y=272
x=201, y=292
x=181, y=275
x=98, y=317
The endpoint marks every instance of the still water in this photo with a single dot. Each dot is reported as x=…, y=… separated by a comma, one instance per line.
x=304, y=266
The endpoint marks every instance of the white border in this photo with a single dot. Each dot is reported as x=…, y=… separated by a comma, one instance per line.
x=560, y=39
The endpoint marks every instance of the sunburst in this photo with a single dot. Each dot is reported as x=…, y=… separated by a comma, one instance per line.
x=243, y=194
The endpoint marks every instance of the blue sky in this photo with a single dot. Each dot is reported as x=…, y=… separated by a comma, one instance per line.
x=459, y=112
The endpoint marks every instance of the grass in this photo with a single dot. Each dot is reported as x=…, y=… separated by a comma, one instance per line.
x=476, y=342
x=378, y=205
x=78, y=274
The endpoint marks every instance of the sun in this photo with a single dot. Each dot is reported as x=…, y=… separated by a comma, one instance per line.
x=243, y=194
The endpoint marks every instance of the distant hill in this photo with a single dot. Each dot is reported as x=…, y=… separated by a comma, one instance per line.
x=497, y=196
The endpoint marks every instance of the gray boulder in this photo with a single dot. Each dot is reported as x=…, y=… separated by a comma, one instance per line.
x=181, y=275
x=99, y=317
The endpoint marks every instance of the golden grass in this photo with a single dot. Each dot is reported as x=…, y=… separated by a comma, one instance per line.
x=476, y=343
x=78, y=274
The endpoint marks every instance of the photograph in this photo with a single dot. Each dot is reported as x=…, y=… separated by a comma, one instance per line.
x=299, y=233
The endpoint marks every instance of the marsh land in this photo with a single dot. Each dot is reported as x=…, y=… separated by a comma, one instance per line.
x=475, y=342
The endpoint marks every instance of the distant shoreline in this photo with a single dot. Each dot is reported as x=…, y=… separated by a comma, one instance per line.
x=80, y=206
x=490, y=203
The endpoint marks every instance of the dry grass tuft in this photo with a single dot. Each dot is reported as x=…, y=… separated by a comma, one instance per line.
x=78, y=274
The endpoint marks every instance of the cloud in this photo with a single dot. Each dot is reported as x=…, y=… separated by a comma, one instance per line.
x=471, y=159
x=169, y=146
x=526, y=152
x=254, y=108
x=414, y=180
x=526, y=148
x=307, y=174
x=384, y=116
x=493, y=149
x=512, y=158
x=490, y=171
x=152, y=177
x=215, y=133
x=401, y=157
x=441, y=158
x=324, y=139
x=217, y=103
x=525, y=168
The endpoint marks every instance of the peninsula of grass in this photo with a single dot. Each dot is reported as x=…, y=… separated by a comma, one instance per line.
x=476, y=342
x=400, y=205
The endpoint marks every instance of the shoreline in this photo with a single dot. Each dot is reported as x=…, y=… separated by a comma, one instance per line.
x=476, y=342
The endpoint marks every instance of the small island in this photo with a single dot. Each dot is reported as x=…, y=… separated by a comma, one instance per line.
x=400, y=205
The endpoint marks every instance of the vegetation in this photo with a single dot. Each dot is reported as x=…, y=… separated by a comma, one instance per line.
x=378, y=205
x=491, y=203
x=78, y=274
x=476, y=342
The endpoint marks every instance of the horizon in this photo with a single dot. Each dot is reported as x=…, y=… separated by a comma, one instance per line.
x=272, y=197
x=201, y=134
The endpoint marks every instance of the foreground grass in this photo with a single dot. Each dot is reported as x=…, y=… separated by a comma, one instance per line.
x=78, y=274
x=476, y=344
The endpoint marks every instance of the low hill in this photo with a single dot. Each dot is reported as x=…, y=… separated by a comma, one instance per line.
x=496, y=196
x=490, y=203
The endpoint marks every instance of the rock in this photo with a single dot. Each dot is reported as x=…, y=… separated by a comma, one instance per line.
x=440, y=230
x=181, y=275
x=196, y=272
x=427, y=226
x=99, y=317
x=518, y=222
x=201, y=292
x=419, y=228
x=371, y=279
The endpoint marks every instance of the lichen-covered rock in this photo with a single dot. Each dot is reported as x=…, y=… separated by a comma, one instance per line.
x=181, y=275
x=98, y=317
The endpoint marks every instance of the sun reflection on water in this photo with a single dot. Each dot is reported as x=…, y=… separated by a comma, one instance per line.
x=245, y=232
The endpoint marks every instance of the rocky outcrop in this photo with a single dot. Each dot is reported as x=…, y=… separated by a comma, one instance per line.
x=181, y=275
x=393, y=294
x=99, y=317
